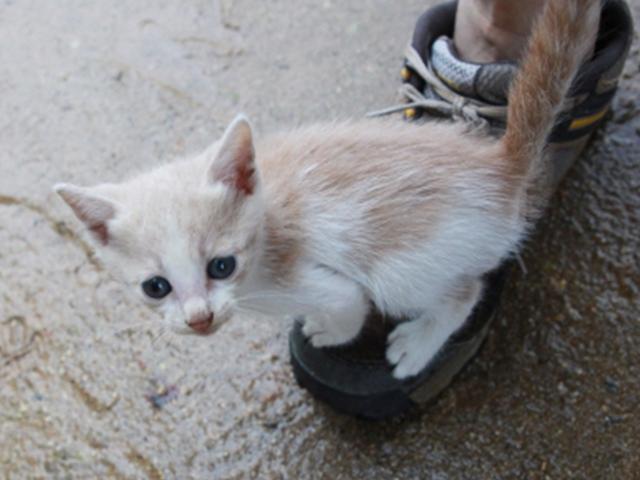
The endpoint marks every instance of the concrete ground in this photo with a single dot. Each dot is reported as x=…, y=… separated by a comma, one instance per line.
x=92, y=91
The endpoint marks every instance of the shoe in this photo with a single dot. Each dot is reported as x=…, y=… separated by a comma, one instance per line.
x=356, y=379
x=444, y=85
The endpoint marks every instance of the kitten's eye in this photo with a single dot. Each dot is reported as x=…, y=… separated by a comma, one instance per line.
x=221, y=267
x=156, y=287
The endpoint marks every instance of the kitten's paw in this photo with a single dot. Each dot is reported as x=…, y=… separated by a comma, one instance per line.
x=409, y=348
x=323, y=333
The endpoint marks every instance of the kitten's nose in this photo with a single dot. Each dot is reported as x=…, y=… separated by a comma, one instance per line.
x=201, y=323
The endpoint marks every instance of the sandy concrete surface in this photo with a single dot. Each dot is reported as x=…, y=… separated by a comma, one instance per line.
x=91, y=388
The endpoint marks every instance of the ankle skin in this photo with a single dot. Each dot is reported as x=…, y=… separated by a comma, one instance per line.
x=489, y=31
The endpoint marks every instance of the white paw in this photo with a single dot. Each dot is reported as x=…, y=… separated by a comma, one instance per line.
x=324, y=333
x=410, y=348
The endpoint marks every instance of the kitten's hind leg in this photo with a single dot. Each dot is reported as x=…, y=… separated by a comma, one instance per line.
x=413, y=344
x=340, y=307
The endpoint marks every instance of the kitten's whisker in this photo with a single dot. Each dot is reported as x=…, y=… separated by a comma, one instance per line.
x=267, y=293
x=163, y=333
x=290, y=299
x=120, y=329
x=288, y=308
x=275, y=315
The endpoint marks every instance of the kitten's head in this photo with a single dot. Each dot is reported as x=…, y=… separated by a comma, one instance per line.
x=186, y=236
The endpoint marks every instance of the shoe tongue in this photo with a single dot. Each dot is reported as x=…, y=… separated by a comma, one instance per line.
x=483, y=81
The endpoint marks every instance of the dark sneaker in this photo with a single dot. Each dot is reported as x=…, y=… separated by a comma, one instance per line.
x=437, y=83
x=356, y=379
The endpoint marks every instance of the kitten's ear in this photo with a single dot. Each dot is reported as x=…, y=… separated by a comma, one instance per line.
x=91, y=208
x=234, y=163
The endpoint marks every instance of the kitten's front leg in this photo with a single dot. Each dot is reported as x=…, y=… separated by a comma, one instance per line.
x=338, y=306
x=412, y=344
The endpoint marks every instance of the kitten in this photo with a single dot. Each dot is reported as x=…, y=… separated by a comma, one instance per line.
x=323, y=220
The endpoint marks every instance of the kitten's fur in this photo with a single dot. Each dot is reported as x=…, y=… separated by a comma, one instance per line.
x=328, y=218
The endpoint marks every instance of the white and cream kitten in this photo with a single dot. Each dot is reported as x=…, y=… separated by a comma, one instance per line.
x=322, y=221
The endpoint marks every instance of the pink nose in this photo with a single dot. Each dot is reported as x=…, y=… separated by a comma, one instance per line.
x=201, y=323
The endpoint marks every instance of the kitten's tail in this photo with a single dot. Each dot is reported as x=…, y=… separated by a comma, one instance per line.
x=561, y=40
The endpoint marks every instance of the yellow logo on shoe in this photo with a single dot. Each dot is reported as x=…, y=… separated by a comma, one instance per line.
x=583, y=122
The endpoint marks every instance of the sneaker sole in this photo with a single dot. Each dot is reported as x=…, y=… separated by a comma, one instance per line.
x=367, y=389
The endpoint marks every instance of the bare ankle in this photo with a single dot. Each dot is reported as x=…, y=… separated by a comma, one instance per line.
x=494, y=30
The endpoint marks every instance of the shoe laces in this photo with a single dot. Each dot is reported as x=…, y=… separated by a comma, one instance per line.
x=451, y=104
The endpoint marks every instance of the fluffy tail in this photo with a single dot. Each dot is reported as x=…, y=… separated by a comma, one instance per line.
x=562, y=39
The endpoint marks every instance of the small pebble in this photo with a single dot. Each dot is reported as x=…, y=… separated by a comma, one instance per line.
x=611, y=385
x=562, y=389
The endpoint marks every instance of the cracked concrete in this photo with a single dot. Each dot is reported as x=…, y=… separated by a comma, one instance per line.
x=91, y=388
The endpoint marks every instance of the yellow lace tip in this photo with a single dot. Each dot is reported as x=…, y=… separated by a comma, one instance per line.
x=409, y=112
x=405, y=74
